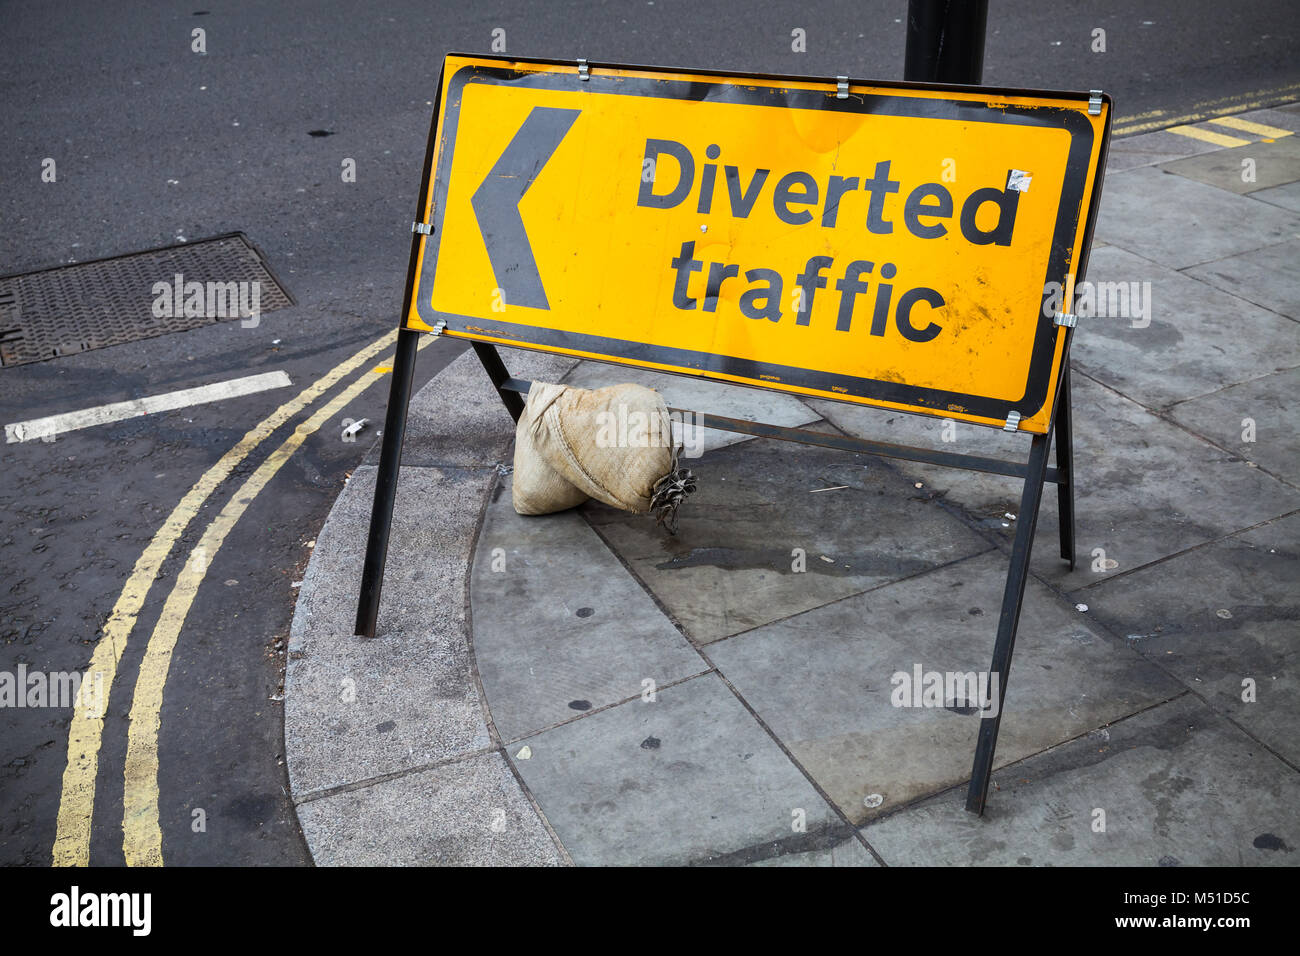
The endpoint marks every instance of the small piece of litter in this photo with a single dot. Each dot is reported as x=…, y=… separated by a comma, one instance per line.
x=1009, y=516
x=296, y=584
x=1224, y=613
x=873, y=800
x=525, y=752
x=311, y=543
x=1081, y=607
x=919, y=484
x=835, y=488
x=828, y=560
x=276, y=341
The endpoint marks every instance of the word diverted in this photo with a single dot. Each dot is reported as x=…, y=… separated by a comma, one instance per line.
x=797, y=198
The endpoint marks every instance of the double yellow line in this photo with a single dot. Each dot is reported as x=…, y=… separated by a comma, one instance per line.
x=1231, y=122
x=1205, y=110
x=142, y=837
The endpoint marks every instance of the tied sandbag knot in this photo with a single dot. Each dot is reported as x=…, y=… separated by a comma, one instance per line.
x=669, y=492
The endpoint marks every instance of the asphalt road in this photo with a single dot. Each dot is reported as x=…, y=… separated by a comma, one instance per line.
x=154, y=142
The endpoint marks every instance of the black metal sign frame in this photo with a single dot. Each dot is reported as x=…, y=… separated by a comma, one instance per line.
x=1035, y=472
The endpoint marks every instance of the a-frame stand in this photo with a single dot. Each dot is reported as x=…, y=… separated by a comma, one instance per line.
x=1035, y=473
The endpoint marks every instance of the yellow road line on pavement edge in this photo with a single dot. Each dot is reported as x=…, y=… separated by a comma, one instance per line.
x=77, y=802
x=1250, y=126
x=1209, y=136
x=1263, y=99
x=141, y=832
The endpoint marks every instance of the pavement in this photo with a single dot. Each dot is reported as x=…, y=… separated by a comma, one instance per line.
x=583, y=689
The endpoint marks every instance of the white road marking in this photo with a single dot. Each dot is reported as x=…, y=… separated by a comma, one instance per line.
x=53, y=425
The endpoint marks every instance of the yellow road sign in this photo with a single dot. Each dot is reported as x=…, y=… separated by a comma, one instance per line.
x=887, y=245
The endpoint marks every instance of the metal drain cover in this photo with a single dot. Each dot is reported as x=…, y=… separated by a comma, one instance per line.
x=92, y=305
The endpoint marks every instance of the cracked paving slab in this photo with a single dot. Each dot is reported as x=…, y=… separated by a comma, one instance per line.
x=1223, y=619
x=1178, y=786
x=826, y=682
x=765, y=508
x=560, y=627
x=687, y=778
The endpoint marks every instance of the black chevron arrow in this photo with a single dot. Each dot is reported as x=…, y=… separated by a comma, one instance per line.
x=496, y=204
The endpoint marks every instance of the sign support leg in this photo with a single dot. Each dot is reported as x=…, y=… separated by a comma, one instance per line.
x=1008, y=620
x=496, y=368
x=1065, y=468
x=390, y=461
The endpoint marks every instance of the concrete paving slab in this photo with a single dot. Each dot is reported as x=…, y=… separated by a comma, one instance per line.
x=1147, y=149
x=1220, y=616
x=1178, y=785
x=560, y=627
x=1191, y=340
x=700, y=395
x=1264, y=164
x=1147, y=489
x=1193, y=223
x=825, y=682
x=1266, y=277
x=356, y=708
x=1288, y=196
x=470, y=813
x=458, y=418
x=732, y=564
x=1266, y=409
x=689, y=778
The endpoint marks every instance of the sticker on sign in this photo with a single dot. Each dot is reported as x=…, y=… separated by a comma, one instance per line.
x=884, y=249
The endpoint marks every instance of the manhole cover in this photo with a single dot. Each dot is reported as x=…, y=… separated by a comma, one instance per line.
x=92, y=305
